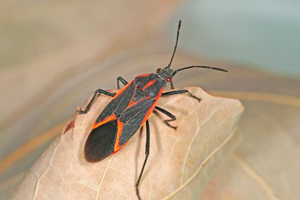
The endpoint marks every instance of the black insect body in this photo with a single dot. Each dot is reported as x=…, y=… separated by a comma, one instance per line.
x=129, y=110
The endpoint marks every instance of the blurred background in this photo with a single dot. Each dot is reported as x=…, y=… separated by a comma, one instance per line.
x=54, y=54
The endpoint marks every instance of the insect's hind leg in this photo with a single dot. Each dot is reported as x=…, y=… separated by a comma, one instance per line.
x=99, y=91
x=173, y=118
x=179, y=92
x=147, y=152
x=120, y=79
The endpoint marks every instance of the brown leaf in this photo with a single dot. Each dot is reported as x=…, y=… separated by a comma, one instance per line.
x=266, y=165
x=180, y=163
x=237, y=181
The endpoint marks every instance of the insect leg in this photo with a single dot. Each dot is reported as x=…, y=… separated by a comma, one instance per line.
x=122, y=80
x=99, y=91
x=172, y=85
x=173, y=118
x=147, y=152
x=179, y=92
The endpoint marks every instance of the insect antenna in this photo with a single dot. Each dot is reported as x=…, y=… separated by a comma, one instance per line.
x=194, y=66
x=178, y=29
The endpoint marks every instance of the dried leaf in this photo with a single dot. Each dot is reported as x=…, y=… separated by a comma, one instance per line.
x=237, y=181
x=180, y=163
x=266, y=165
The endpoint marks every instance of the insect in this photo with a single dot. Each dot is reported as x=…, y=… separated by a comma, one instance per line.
x=129, y=110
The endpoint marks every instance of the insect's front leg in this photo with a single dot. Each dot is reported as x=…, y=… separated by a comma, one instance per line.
x=173, y=118
x=172, y=85
x=179, y=92
x=120, y=79
x=99, y=91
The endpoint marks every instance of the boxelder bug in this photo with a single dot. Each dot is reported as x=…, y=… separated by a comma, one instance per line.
x=129, y=109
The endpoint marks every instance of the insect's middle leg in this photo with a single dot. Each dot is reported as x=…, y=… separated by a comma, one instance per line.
x=99, y=91
x=147, y=152
x=179, y=92
x=120, y=79
x=173, y=118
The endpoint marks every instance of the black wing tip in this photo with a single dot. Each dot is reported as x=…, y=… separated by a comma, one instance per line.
x=100, y=143
x=89, y=160
x=91, y=157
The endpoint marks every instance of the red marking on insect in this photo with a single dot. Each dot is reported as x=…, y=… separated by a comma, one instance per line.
x=169, y=79
x=158, y=69
x=118, y=147
x=149, y=83
x=109, y=118
x=142, y=75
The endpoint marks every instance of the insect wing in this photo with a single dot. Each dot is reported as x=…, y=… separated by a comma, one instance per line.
x=132, y=119
x=100, y=142
x=118, y=104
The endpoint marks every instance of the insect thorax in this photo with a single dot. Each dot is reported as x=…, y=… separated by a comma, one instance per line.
x=150, y=83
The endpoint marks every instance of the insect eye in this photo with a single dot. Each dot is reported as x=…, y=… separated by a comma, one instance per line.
x=169, y=79
x=158, y=69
